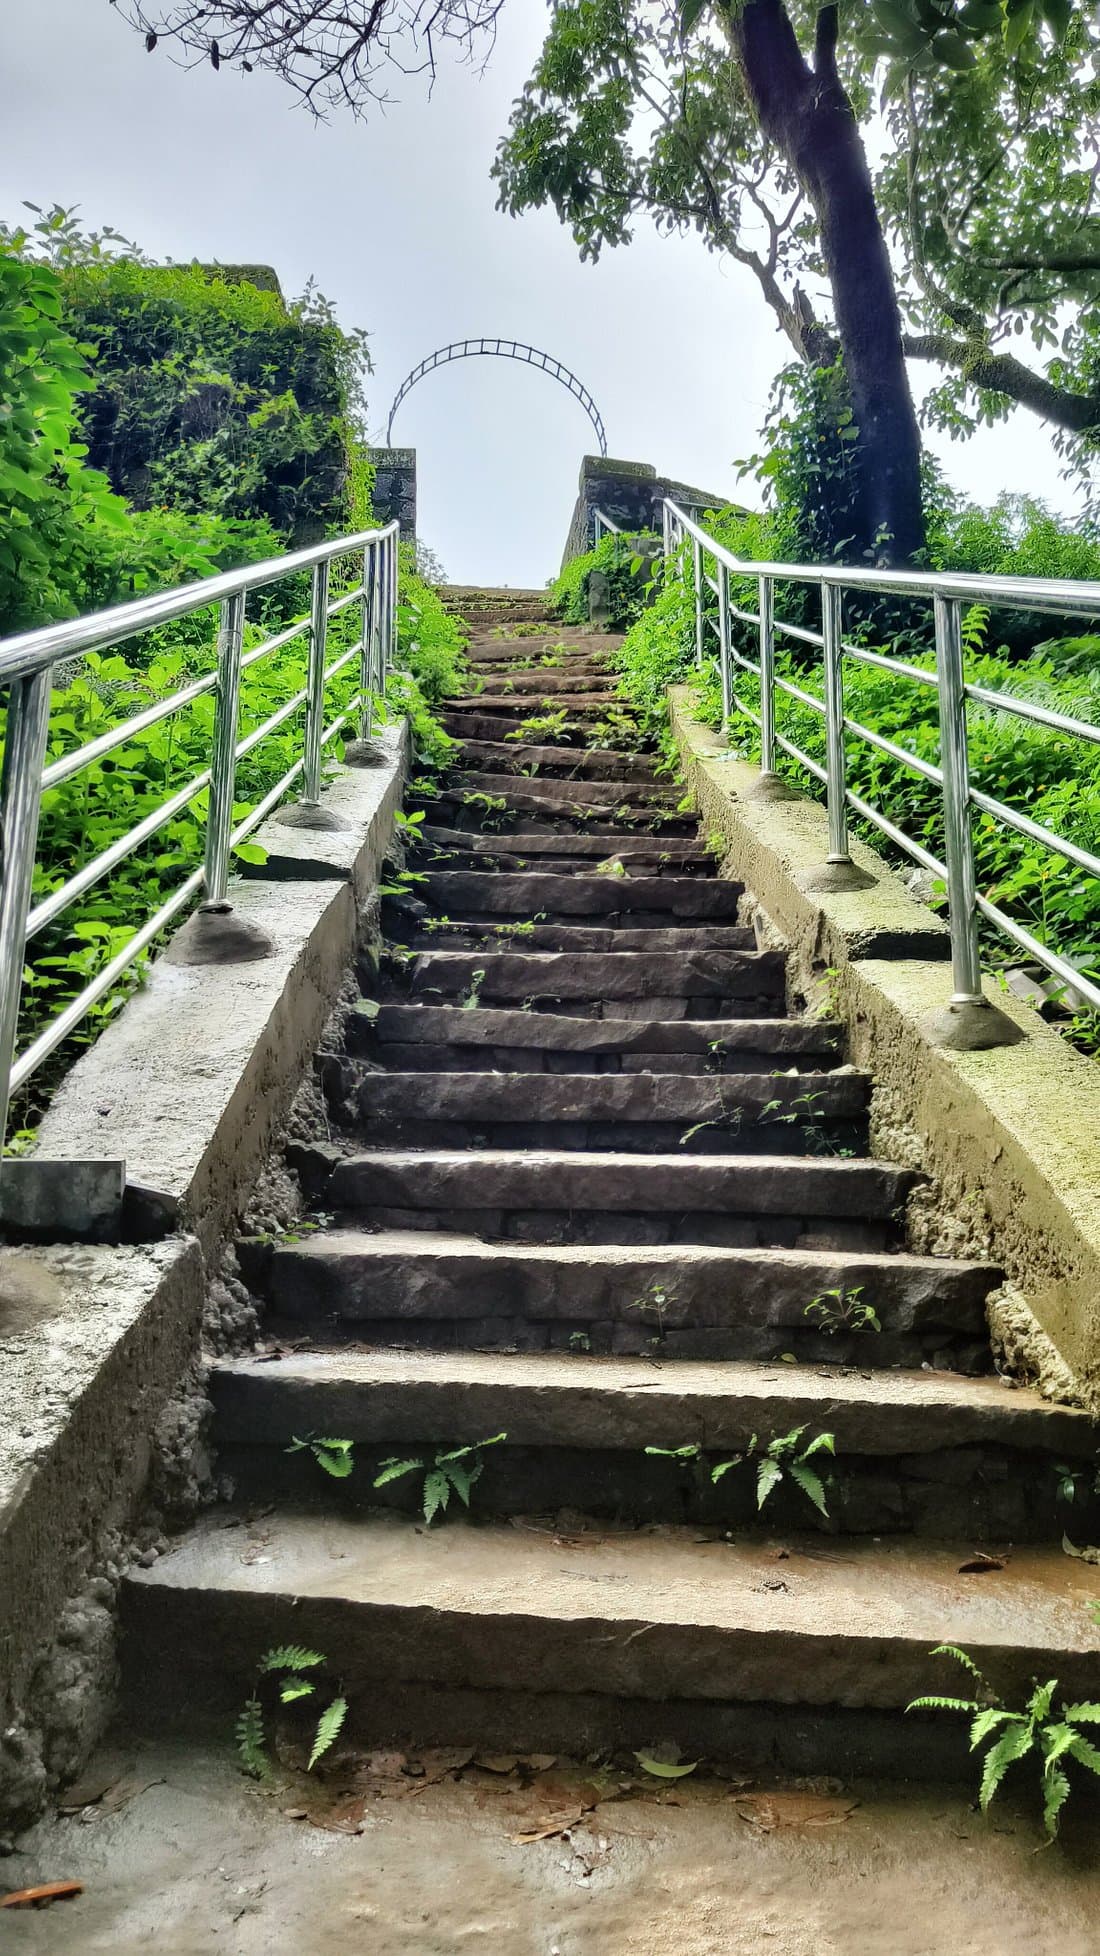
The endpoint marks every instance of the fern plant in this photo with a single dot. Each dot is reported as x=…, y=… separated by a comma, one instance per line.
x=334, y=1457
x=452, y=1471
x=781, y=1458
x=286, y=1664
x=1052, y=1736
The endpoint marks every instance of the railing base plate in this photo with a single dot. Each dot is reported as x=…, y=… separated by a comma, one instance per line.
x=971, y=1028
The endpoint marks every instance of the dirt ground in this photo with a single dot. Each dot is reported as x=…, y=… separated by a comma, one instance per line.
x=180, y=1854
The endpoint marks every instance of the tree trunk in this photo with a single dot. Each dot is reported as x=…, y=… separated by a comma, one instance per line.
x=805, y=112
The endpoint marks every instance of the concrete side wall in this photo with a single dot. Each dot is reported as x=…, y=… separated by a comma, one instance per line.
x=631, y=494
x=1010, y=1137
x=101, y=1347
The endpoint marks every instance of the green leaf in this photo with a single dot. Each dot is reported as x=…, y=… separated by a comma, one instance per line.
x=1083, y=1714
x=661, y=1769
x=394, y=1470
x=295, y=1688
x=250, y=852
x=768, y=1476
x=289, y=1657
x=251, y=1740
x=986, y=1722
x=1055, y=1795
x=437, y=1493
x=335, y=1457
x=691, y=13
x=810, y=1483
x=329, y=1727
x=1013, y=1744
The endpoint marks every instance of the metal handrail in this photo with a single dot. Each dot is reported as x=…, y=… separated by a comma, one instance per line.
x=27, y=663
x=689, y=547
x=600, y=523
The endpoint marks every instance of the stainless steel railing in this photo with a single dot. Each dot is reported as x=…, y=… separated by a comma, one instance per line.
x=707, y=566
x=602, y=524
x=27, y=667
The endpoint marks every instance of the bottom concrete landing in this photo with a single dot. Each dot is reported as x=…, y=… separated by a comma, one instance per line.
x=200, y=1864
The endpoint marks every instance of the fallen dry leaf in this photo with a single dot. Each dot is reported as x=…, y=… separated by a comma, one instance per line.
x=43, y=1895
x=979, y=1563
x=345, y=1817
x=497, y=1762
x=552, y=1828
x=771, y=1811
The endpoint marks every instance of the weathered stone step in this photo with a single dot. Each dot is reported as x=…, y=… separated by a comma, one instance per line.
x=472, y=724
x=548, y=1195
x=587, y=763
x=449, y=934
x=689, y=899
x=651, y=855
x=807, y=1114
x=569, y=793
x=639, y=977
x=447, y=1034
x=924, y=1452
x=519, y=706
x=566, y=664
x=545, y=680
x=688, y=1302
x=497, y=606
x=455, y=1632
x=575, y=640
x=547, y=806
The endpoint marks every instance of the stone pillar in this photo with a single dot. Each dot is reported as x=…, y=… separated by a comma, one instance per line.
x=394, y=493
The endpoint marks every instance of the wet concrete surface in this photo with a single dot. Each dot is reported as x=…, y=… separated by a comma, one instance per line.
x=200, y=1862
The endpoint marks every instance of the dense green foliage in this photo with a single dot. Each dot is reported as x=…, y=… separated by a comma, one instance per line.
x=1053, y=778
x=617, y=559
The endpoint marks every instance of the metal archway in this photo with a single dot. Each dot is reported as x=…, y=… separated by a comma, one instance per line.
x=530, y=356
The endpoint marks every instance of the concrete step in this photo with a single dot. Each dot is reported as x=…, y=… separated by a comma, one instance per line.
x=450, y=934
x=442, y=1035
x=610, y=900
x=570, y=793
x=543, y=806
x=658, y=985
x=549, y=1195
x=519, y=706
x=627, y=1637
x=543, y=680
x=469, y=721
x=915, y=1452
x=655, y=1113
x=639, y=854
x=688, y=1302
x=578, y=764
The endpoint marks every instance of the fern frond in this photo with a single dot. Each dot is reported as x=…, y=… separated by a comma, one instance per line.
x=461, y=1482
x=392, y=1470
x=823, y=1443
x=1041, y=1699
x=943, y=1704
x=329, y=1726
x=437, y=1493
x=1085, y=1753
x=986, y=1722
x=252, y=1740
x=294, y=1688
x=810, y=1483
x=335, y=1457
x=1083, y=1714
x=768, y=1476
x=960, y=1656
x=1055, y=1795
x=1013, y=1744
x=289, y=1657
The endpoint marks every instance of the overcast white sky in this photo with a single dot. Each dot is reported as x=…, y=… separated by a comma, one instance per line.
x=396, y=220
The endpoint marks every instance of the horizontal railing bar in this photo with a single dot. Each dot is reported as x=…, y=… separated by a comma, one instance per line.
x=801, y=632
x=1070, y=595
x=341, y=604
x=1027, y=710
x=125, y=845
x=263, y=808
x=748, y=665
x=280, y=639
x=712, y=581
x=79, y=1007
x=906, y=842
x=796, y=754
x=797, y=693
x=1058, y=966
x=1036, y=832
x=900, y=666
x=748, y=712
x=928, y=768
x=105, y=743
x=33, y=651
x=745, y=617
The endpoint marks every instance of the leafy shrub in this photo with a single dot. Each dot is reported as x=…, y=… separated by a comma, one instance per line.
x=617, y=557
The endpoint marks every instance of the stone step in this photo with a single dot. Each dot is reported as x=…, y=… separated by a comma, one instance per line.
x=643, y=980
x=548, y=1195
x=519, y=706
x=545, y=680
x=449, y=934
x=494, y=607
x=551, y=807
x=565, y=663
x=569, y=794
x=651, y=855
x=439, y=1035
x=536, y=1637
x=573, y=640
x=473, y=724
x=923, y=1453
x=687, y=899
x=586, y=763
x=687, y=1302
x=747, y=1113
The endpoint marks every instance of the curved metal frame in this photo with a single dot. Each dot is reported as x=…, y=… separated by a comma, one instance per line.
x=529, y=356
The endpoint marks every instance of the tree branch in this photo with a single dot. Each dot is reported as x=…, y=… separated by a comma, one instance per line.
x=1002, y=373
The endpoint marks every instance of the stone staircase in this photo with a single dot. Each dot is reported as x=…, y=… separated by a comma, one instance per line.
x=593, y=1185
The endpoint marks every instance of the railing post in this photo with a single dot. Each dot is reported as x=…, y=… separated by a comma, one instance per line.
x=223, y=762
x=666, y=529
x=315, y=686
x=767, y=674
x=20, y=797
x=831, y=613
x=366, y=660
x=724, y=654
x=966, y=968
x=697, y=578
x=392, y=584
